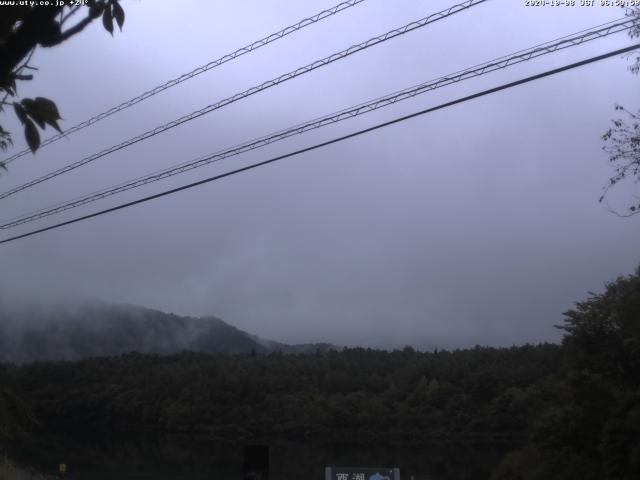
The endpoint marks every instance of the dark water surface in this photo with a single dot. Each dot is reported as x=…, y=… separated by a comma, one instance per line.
x=184, y=457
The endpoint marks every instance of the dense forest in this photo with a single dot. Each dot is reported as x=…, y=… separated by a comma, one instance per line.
x=557, y=411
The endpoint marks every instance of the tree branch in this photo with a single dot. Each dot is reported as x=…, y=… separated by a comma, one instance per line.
x=64, y=18
x=38, y=27
x=77, y=28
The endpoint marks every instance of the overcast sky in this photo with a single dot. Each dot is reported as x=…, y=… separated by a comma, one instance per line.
x=478, y=224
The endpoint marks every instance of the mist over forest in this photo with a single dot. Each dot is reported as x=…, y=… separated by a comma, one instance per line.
x=31, y=331
x=560, y=411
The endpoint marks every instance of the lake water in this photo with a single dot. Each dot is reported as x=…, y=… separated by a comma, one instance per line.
x=184, y=457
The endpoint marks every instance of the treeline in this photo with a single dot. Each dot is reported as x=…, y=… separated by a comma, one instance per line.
x=591, y=427
x=354, y=395
x=570, y=411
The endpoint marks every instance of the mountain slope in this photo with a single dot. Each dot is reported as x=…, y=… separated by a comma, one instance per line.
x=67, y=332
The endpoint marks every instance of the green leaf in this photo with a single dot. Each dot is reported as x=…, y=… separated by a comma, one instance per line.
x=48, y=112
x=118, y=14
x=32, y=135
x=32, y=110
x=47, y=108
x=55, y=125
x=43, y=111
x=20, y=113
x=29, y=106
x=107, y=19
x=96, y=9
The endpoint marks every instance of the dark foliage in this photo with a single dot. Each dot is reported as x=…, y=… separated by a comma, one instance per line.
x=563, y=412
x=357, y=395
x=592, y=428
x=622, y=139
x=23, y=28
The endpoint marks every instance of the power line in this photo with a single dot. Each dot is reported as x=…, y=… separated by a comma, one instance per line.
x=197, y=71
x=238, y=96
x=330, y=142
x=472, y=72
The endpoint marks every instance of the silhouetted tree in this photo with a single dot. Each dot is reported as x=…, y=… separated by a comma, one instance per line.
x=590, y=428
x=623, y=138
x=23, y=28
x=603, y=332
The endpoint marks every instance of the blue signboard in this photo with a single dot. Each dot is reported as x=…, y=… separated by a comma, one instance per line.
x=349, y=473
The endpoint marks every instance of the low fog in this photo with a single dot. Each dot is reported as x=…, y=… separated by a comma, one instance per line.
x=478, y=224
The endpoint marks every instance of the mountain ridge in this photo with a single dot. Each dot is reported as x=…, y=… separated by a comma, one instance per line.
x=96, y=328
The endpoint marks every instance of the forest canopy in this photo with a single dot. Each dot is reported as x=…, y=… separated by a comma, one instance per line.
x=562, y=411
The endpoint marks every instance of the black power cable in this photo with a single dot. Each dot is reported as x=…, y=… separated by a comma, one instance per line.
x=330, y=142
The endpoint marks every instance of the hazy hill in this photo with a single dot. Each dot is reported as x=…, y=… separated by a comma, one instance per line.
x=70, y=332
